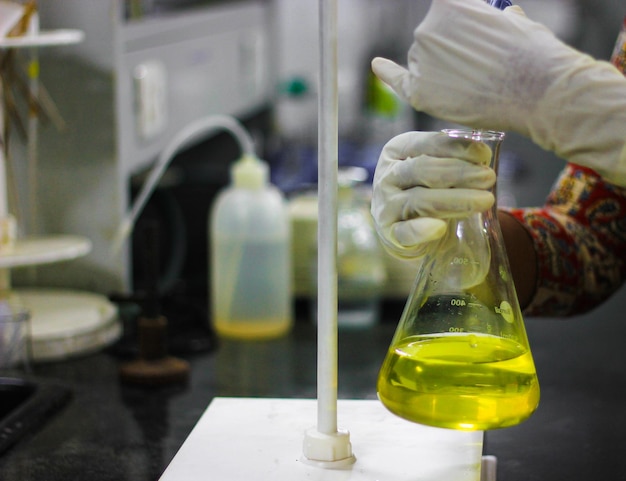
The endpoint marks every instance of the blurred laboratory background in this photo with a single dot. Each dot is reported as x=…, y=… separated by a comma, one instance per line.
x=147, y=68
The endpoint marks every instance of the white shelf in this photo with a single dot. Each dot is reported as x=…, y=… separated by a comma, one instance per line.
x=44, y=250
x=44, y=38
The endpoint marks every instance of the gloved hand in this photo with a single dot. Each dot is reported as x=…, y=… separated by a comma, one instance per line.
x=422, y=179
x=485, y=68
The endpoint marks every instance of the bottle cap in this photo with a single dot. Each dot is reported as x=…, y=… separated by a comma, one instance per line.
x=249, y=173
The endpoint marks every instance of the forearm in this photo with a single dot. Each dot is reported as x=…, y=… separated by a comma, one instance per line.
x=522, y=256
x=577, y=240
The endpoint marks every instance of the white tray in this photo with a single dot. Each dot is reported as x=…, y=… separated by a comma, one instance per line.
x=67, y=323
x=44, y=250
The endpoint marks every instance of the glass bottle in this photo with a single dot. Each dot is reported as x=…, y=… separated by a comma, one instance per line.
x=361, y=272
x=360, y=265
x=460, y=357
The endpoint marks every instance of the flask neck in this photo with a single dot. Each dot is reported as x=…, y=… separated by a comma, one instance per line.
x=464, y=256
x=493, y=139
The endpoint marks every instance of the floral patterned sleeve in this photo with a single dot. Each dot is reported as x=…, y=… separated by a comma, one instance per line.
x=580, y=239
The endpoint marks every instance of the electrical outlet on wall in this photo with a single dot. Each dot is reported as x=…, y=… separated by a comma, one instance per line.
x=150, y=90
x=251, y=54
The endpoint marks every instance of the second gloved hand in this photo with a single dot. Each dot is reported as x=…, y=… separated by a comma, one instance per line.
x=422, y=180
x=484, y=68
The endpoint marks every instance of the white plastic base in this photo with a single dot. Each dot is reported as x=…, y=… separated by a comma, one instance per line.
x=243, y=439
x=489, y=468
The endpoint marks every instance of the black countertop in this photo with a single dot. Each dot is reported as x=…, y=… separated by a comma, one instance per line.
x=114, y=431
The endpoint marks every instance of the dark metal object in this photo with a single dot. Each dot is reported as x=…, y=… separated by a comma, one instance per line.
x=154, y=366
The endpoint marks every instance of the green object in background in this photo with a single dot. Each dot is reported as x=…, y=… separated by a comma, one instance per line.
x=381, y=100
x=295, y=87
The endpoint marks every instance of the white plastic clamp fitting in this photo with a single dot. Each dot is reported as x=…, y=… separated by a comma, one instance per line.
x=332, y=451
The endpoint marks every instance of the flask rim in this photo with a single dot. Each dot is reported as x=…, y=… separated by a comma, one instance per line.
x=474, y=134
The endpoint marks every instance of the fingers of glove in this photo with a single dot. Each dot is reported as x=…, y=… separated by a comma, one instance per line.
x=410, y=239
x=437, y=203
x=415, y=234
x=432, y=159
x=436, y=144
x=421, y=202
x=439, y=173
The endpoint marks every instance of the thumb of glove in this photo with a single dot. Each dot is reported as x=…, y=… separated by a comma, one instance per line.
x=397, y=77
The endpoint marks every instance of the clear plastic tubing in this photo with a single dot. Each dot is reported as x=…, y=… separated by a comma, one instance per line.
x=191, y=133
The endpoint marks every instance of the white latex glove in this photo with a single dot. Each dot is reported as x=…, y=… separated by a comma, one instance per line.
x=421, y=180
x=485, y=68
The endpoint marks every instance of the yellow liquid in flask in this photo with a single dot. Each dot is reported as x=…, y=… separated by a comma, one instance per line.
x=460, y=381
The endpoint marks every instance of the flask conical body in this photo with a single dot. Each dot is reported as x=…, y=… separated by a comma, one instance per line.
x=460, y=357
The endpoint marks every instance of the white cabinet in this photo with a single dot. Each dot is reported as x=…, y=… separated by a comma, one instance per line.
x=124, y=92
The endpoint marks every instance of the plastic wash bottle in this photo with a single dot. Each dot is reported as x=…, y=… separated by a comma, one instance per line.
x=250, y=256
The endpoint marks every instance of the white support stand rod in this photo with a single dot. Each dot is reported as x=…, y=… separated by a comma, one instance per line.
x=326, y=446
x=327, y=227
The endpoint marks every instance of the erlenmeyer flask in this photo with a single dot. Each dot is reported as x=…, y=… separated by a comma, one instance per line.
x=460, y=357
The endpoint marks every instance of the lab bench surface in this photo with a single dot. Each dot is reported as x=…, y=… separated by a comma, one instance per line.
x=114, y=431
